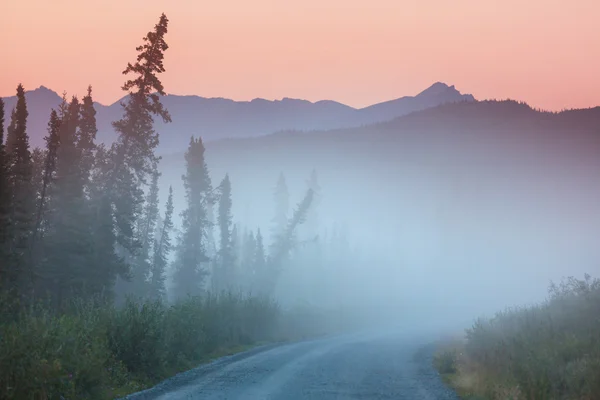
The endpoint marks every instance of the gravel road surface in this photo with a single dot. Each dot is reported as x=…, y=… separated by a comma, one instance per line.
x=374, y=366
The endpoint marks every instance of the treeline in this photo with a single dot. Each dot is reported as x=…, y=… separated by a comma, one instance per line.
x=79, y=219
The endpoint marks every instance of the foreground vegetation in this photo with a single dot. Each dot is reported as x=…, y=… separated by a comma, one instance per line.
x=100, y=352
x=548, y=351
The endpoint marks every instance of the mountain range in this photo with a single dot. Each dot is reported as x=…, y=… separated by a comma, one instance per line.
x=219, y=118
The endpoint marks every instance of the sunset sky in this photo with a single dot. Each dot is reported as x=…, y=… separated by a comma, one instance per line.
x=545, y=52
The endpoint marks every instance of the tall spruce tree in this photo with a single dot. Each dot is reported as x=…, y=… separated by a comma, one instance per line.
x=4, y=205
x=147, y=224
x=22, y=201
x=122, y=171
x=52, y=144
x=224, y=273
x=162, y=249
x=69, y=240
x=133, y=152
x=86, y=137
x=191, y=250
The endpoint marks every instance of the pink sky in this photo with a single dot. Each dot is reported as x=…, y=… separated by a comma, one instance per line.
x=545, y=52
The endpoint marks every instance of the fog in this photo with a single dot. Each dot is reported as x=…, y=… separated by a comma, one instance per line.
x=441, y=225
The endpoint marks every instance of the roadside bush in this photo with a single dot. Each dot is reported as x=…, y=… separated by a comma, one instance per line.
x=445, y=362
x=102, y=352
x=43, y=356
x=136, y=337
x=548, y=351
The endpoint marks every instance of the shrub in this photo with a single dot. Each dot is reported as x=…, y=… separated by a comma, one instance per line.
x=547, y=351
x=445, y=362
x=98, y=352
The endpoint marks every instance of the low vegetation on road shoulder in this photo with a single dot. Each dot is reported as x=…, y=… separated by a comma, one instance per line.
x=547, y=351
x=102, y=352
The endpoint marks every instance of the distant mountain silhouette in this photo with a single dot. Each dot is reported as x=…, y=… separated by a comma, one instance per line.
x=218, y=118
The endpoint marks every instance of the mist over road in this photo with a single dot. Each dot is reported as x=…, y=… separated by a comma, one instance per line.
x=383, y=365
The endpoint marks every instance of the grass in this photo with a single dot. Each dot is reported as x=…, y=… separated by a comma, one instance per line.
x=96, y=352
x=549, y=351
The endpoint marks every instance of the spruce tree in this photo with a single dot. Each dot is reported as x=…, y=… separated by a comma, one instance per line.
x=259, y=263
x=133, y=152
x=280, y=250
x=281, y=198
x=236, y=246
x=52, y=144
x=86, y=137
x=119, y=173
x=69, y=240
x=4, y=204
x=311, y=227
x=191, y=250
x=225, y=270
x=147, y=224
x=246, y=267
x=22, y=201
x=162, y=249
x=10, y=134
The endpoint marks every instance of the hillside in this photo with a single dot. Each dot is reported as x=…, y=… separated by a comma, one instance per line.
x=217, y=118
x=474, y=185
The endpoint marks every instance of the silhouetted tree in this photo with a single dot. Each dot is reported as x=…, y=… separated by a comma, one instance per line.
x=224, y=273
x=52, y=144
x=22, y=202
x=86, y=137
x=191, y=249
x=4, y=206
x=142, y=266
x=281, y=198
x=259, y=262
x=69, y=237
x=122, y=171
x=285, y=243
x=162, y=248
x=311, y=227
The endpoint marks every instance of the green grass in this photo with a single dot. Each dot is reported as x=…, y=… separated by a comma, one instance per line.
x=548, y=351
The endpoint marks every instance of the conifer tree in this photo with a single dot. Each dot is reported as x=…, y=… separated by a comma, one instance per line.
x=10, y=135
x=225, y=262
x=281, y=197
x=259, y=262
x=162, y=249
x=236, y=246
x=22, y=201
x=69, y=240
x=52, y=144
x=246, y=266
x=133, y=152
x=285, y=243
x=86, y=137
x=119, y=173
x=311, y=227
x=191, y=250
x=4, y=204
x=147, y=224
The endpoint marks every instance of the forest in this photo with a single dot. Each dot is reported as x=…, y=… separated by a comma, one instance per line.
x=90, y=308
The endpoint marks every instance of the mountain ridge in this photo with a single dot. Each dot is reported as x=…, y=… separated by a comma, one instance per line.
x=217, y=118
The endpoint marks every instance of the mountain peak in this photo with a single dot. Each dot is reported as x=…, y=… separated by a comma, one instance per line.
x=436, y=89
